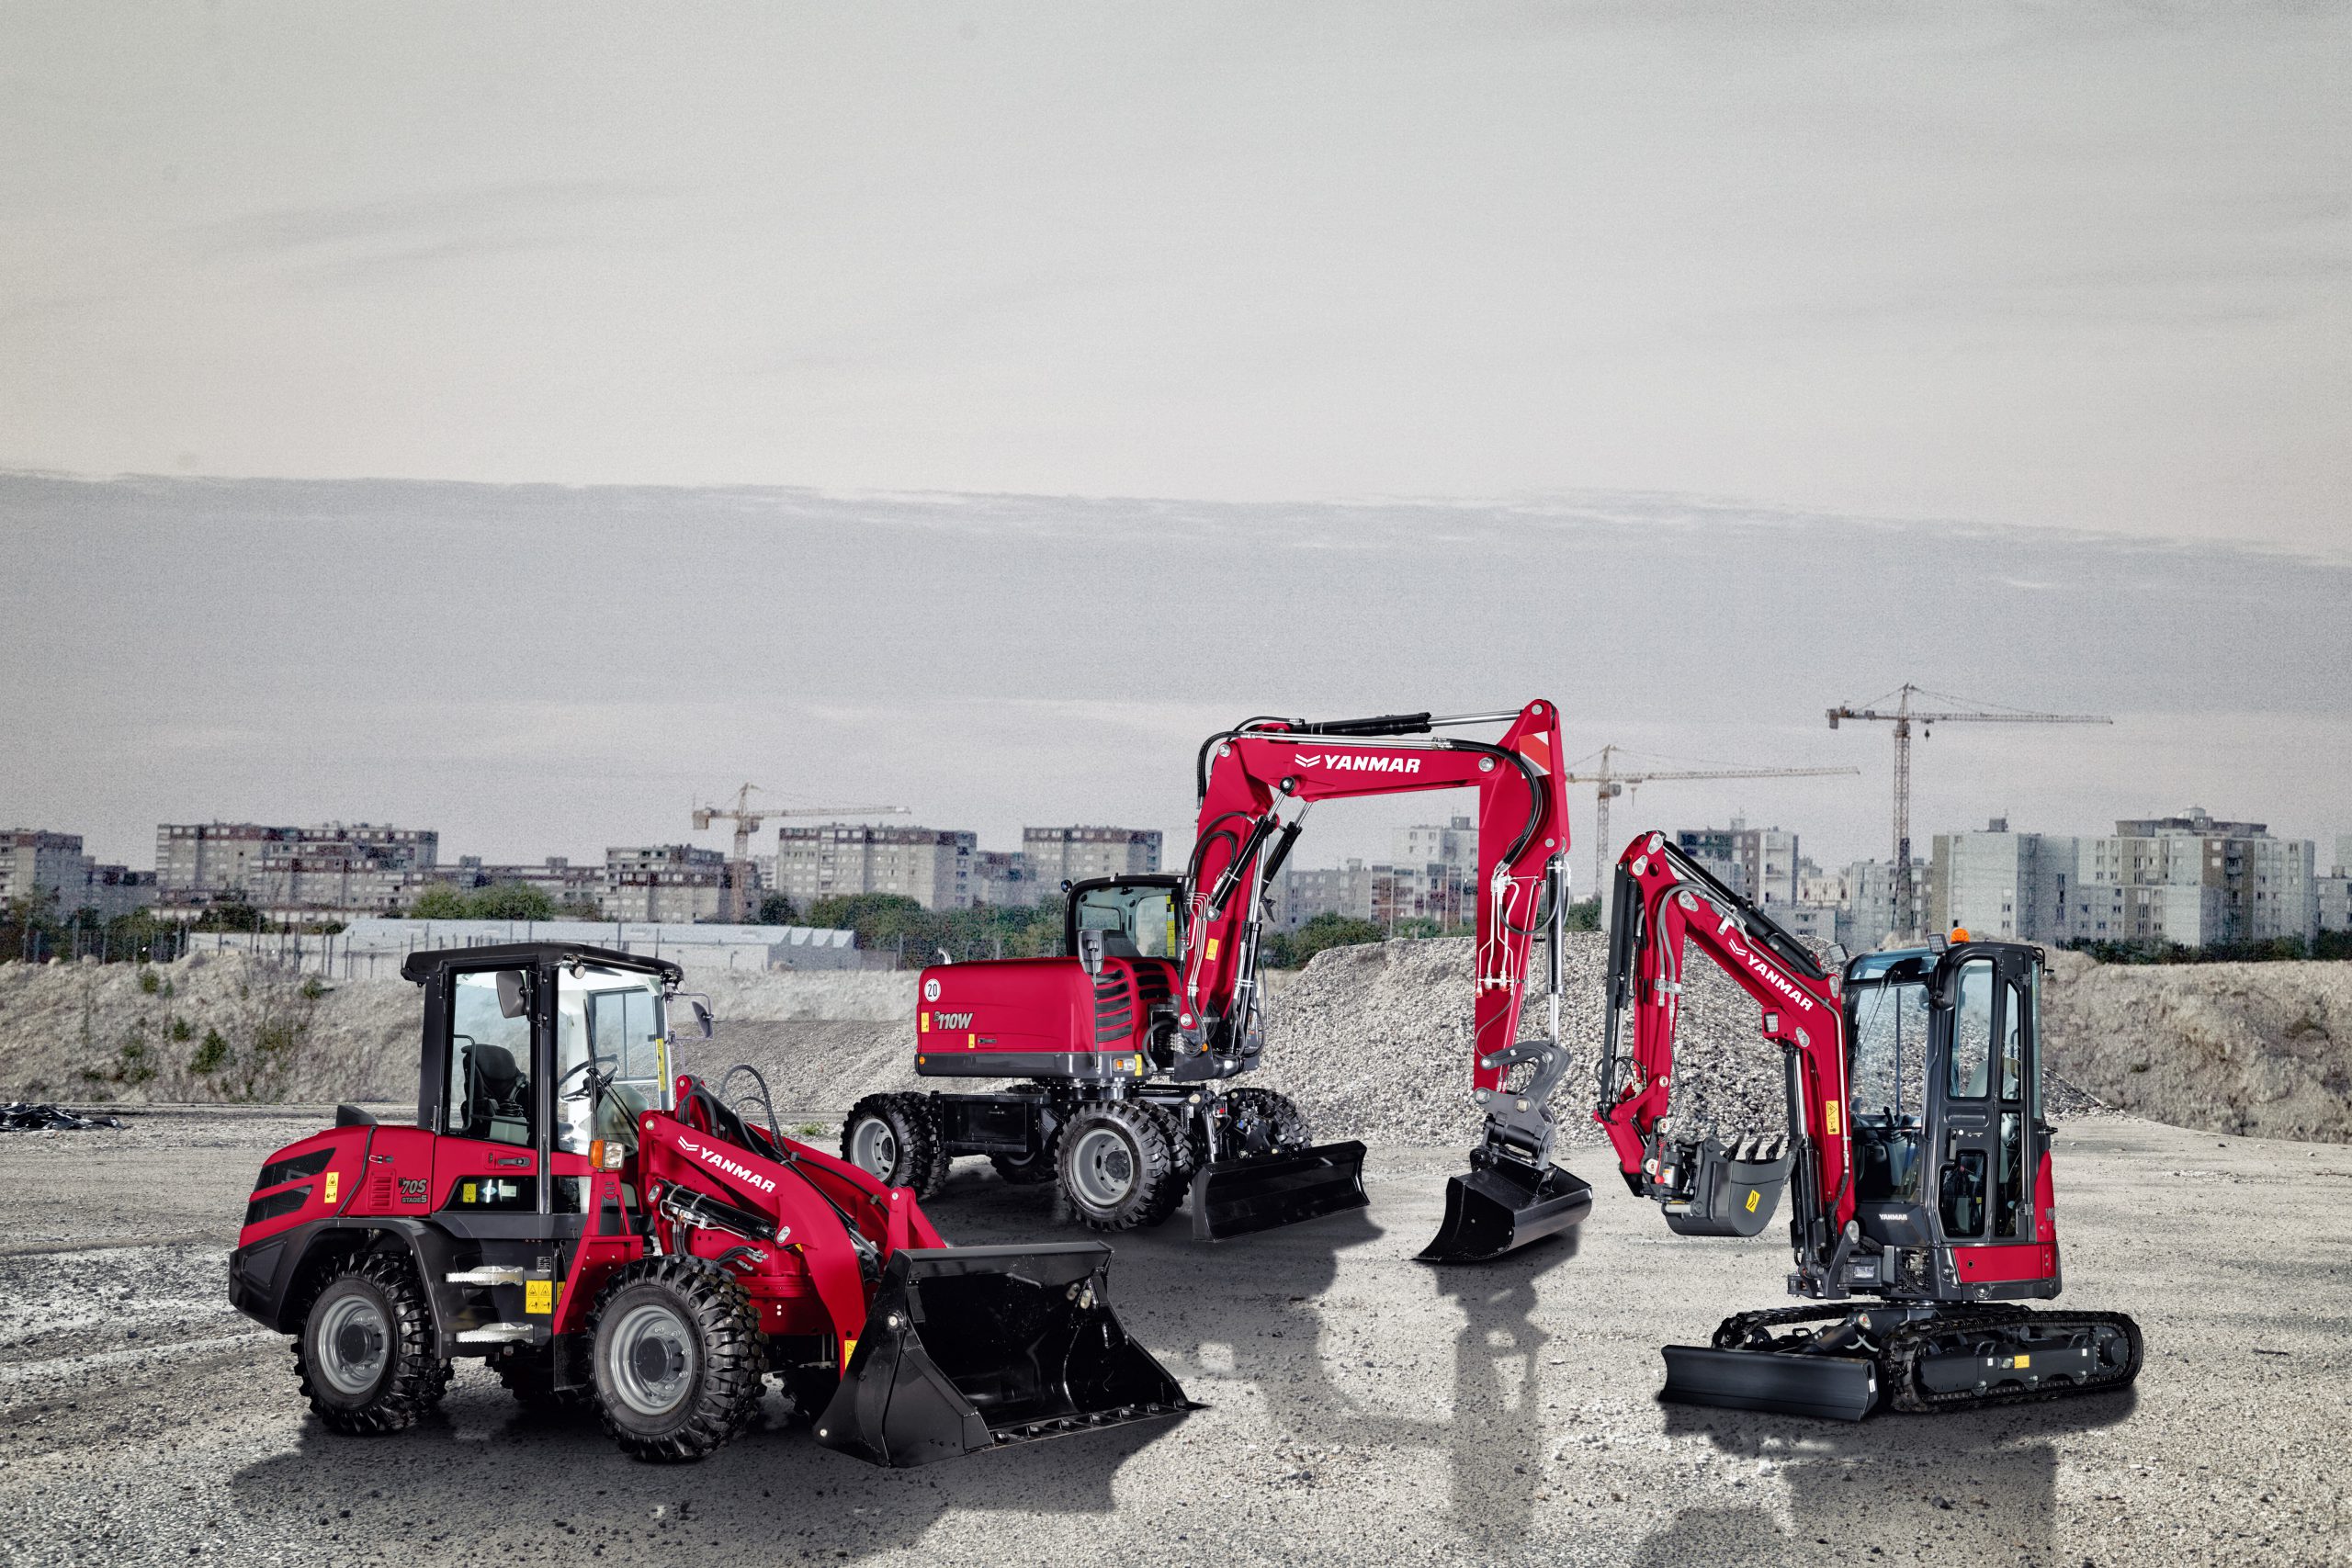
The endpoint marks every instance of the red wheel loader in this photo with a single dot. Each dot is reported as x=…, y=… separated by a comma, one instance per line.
x=605, y=1231
x=1917, y=1159
x=1122, y=1048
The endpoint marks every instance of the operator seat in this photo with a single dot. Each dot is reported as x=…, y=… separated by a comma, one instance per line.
x=496, y=1095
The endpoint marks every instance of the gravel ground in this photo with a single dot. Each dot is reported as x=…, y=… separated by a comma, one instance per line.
x=1362, y=1408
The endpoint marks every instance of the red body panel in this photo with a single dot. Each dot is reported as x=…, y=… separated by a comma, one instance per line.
x=1996, y=1265
x=326, y=1192
x=1021, y=1007
x=400, y=1173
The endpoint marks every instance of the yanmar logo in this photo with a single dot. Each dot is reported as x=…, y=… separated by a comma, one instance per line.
x=719, y=1162
x=1764, y=971
x=954, y=1020
x=1357, y=762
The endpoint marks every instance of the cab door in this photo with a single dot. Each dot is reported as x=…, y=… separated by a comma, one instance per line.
x=1985, y=1131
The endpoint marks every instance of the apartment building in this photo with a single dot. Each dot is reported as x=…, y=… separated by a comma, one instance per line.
x=569, y=886
x=357, y=868
x=1758, y=863
x=934, y=866
x=1055, y=855
x=662, y=883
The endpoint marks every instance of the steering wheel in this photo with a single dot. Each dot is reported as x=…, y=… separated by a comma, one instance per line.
x=598, y=1082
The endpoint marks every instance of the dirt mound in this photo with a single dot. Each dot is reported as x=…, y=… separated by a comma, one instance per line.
x=2263, y=1050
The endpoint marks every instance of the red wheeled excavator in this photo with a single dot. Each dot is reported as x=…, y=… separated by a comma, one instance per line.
x=1917, y=1157
x=607, y=1234
x=1126, y=1041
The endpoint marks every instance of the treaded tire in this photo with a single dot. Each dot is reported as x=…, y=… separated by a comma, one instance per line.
x=529, y=1372
x=381, y=1375
x=1116, y=1169
x=1178, y=1126
x=1278, y=1123
x=894, y=1138
x=677, y=1359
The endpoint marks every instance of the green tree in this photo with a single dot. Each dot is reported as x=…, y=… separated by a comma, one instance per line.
x=441, y=902
x=775, y=910
x=1290, y=950
x=232, y=914
x=511, y=901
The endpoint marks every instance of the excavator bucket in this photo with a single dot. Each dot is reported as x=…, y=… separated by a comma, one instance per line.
x=972, y=1348
x=1833, y=1388
x=1500, y=1207
x=1235, y=1197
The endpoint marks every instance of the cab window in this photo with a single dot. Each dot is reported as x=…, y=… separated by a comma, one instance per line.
x=1136, y=922
x=1971, y=1032
x=610, y=1020
x=489, y=1084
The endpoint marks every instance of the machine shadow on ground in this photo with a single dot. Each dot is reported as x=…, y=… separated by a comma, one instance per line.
x=1269, y=1295
x=1948, y=1487
x=484, y=1479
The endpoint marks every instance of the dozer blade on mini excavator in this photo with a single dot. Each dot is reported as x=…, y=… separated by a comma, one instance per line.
x=1833, y=1388
x=973, y=1348
x=1264, y=1192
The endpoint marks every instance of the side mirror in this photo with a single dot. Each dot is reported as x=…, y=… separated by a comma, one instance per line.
x=701, y=1017
x=1090, y=951
x=513, y=993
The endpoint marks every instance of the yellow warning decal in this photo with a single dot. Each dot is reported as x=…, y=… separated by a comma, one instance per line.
x=847, y=1346
x=538, y=1296
x=466, y=1194
x=1829, y=1117
x=334, y=1180
x=1752, y=1195
x=924, y=1022
x=2022, y=1361
x=971, y=1043
x=1211, y=947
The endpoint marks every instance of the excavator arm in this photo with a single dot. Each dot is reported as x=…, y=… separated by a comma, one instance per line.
x=1665, y=905
x=1256, y=782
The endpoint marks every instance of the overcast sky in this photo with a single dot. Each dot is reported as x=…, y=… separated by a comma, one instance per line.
x=2076, y=265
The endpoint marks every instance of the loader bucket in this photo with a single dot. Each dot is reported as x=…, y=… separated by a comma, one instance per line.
x=1239, y=1196
x=1832, y=1388
x=972, y=1348
x=1500, y=1208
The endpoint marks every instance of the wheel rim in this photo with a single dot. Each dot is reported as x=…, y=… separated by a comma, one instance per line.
x=652, y=1360
x=354, y=1343
x=873, y=1147
x=1103, y=1167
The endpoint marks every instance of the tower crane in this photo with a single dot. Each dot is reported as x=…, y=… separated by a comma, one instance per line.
x=1610, y=783
x=747, y=821
x=1903, y=716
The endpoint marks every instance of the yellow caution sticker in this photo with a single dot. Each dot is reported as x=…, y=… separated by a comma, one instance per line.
x=538, y=1296
x=1752, y=1195
x=923, y=1022
x=2021, y=1361
x=466, y=1194
x=847, y=1346
x=1829, y=1117
x=334, y=1180
x=1211, y=947
x=971, y=1043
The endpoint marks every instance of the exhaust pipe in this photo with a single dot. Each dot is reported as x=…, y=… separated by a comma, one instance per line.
x=973, y=1348
x=1237, y=1197
x=1500, y=1206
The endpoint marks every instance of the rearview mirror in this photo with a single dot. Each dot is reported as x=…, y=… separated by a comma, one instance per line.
x=513, y=993
x=1090, y=951
x=701, y=1017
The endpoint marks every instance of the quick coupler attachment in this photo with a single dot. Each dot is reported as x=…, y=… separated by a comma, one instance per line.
x=1239, y=1196
x=973, y=1348
x=1501, y=1205
x=1833, y=1388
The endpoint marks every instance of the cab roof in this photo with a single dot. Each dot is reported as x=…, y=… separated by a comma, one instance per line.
x=423, y=966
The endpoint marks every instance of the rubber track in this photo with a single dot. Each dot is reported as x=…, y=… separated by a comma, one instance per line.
x=1898, y=1362
x=419, y=1379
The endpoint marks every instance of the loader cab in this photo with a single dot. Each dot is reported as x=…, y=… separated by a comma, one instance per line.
x=533, y=1054
x=1946, y=1108
x=1140, y=917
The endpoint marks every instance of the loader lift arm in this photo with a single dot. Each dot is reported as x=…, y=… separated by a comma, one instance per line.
x=1256, y=783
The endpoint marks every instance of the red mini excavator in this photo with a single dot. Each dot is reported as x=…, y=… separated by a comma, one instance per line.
x=1916, y=1148
x=606, y=1232
x=1124, y=1042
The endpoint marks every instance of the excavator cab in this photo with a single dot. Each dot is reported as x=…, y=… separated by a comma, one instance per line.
x=1140, y=917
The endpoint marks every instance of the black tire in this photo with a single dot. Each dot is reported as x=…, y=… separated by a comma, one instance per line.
x=677, y=1358
x=894, y=1138
x=364, y=1351
x=1175, y=1122
x=1259, y=1122
x=529, y=1372
x=1116, y=1169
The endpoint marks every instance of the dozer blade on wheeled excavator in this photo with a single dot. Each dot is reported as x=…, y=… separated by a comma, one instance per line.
x=603, y=1231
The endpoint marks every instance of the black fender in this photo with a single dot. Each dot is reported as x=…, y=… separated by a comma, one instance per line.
x=269, y=1280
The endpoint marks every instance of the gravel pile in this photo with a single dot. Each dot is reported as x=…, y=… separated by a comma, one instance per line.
x=1376, y=1043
